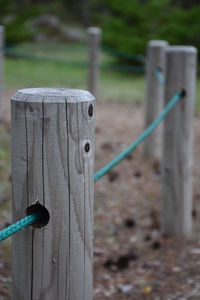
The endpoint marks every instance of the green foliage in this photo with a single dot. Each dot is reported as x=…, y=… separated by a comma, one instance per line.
x=16, y=32
x=17, y=21
x=5, y=8
x=18, y=27
x=129, y=24
x=182, y=27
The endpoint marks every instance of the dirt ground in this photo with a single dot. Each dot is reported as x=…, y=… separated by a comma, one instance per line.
x=131, y=259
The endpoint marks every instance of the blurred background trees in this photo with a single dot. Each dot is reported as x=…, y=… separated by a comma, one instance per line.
x=127, y=24
x=129, y=27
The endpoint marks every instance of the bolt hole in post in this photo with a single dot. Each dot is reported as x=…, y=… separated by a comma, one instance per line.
x=159, y=69
x=41, y=211
x=182, y=92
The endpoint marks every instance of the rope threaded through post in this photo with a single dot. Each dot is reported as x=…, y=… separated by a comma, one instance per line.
x=18, y=226
x=31, y=219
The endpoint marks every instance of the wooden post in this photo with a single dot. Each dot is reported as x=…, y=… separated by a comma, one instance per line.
x=154, y=96
x=1, y=68
x=52, y=162
x=94, y=40
x=178, y=142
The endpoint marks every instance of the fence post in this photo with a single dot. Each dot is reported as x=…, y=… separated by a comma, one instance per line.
x=178, y=142
x=155, y=60
x=1, y=68
x=52, y=161
x=94, y=40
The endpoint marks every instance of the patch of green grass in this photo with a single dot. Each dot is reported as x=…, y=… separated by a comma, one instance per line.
x=122, y=87
x=69, y=52
x=113, y=85
x=20, y=73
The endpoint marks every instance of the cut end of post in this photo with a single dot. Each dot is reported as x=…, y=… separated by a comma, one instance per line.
x=181, y=49
x=94, y=30
x=52, y=95
x=157, y=43
x=1, y=29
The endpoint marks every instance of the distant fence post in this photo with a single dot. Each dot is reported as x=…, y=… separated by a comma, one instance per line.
x=52, y=162
x=1, y=68
x=94, y=40
x=181, y=64
x=155, y=60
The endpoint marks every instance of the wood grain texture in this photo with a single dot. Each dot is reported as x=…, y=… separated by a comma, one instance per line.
x=94, y=40
x=1, y=68
x=178, y=142
x=50, y=128
x=154, y=96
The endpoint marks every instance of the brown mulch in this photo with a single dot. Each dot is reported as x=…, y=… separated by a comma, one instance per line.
x=131, y=259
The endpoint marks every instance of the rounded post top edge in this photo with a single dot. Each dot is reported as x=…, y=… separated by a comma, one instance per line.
x=181, y=49
x=94, y=30
x=52, y=95
x=1, y=28
x=158, y=43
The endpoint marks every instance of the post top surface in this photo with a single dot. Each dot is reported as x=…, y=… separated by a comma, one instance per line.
x=158, y=43
x=182, y=49
x=52, y=95
x=94, y=30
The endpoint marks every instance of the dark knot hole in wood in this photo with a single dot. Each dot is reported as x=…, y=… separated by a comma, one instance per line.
x=31, y=109
x=90, y=110
x=87, y=147
x=42, y=212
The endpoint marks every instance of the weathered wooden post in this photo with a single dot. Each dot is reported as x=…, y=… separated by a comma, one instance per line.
x=94, y=40
x=52, y=162
x=181, y=63
x=1, y=68
x=155, y=62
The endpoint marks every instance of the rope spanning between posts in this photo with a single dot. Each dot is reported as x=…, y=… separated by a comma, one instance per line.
x=18, y=226
x=123, y=54
x=32, y=218
x=77, y=64
x=177, y=96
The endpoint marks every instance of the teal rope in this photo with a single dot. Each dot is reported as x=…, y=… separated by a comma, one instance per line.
x=143, y=136
x=11, y=49
x=123, y=68
x=104, y=67
x=17, y=54
x=118, y=53
x=18, y=226
x=159, y=76
x=31, y=219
